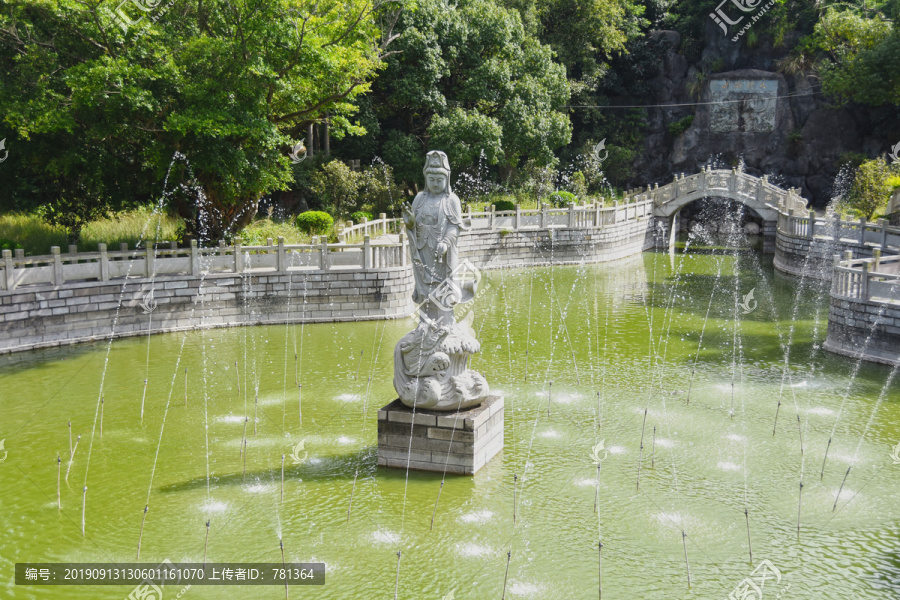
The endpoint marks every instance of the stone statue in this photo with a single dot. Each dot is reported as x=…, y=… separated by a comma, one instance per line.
x=430, y=362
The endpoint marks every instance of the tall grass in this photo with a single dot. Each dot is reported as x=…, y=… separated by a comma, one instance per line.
x=255, y=233
x=37, y=236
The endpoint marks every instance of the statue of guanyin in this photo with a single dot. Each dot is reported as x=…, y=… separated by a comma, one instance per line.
x=430, y=362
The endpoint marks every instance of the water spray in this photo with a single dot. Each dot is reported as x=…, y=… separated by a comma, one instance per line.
x=686, y=564
x=185, y=386
x=653, y=450
x=206, y=544
x=827, y=448
x=58, y=472
x=353, y=489
x=359, y=364
x=434, y=512
x=143, y=398
x=284, y=566
x=72, y=459
x=836, y=498
x=749, y=543
x=505, y=577
x=237, y=376
x=102, y=401
x=777, y=408
x=397, y=584
x=141, y=536
x=83, y=508
x=282, y=478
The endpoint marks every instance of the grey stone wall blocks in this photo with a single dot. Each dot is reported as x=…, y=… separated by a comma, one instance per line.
x=460, y=442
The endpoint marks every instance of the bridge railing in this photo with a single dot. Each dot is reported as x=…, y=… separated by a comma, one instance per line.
x=56, y=269
x=732, y=182
x=867, y=279
x=103, y=265
x=839, y=230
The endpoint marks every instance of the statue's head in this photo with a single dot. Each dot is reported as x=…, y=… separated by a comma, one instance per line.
x=437, y=172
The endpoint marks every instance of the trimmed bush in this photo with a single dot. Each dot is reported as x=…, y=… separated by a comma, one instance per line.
x=561, y=198
x=357, y=216
x=501, y=205
x=9, y=244
x=314, y=222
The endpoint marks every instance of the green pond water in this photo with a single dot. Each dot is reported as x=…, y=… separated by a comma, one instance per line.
x=616, y=340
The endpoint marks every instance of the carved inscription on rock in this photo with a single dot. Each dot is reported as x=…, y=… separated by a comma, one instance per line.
x=743, y=105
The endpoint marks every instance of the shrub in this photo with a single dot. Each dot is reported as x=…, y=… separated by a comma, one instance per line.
x=9, y=244
x=894, y=182
x=314, y=222
x=561, y=198
x=579, y=184
x=504, y=205
x=870, y=189
x=357, y=216
x=678, y=127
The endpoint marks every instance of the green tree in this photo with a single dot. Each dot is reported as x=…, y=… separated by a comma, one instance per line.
x=470, y=79
x=861, y=50
x=99, y=108
x=871, y=189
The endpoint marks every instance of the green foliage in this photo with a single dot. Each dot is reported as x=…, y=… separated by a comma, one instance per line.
x=468, y=80
x=315, y=222
x=37, y=235
x=561, y=199
x=342, y=191
x=795, y=137
x=851, y=159
x=9, y=245
x=578, y=184
x=259, y=231
x=358, y=216
x=871, y=189
x=502, y=205
x=862, y=56
x=98, y=112
x=894, y=182
x=678, y=127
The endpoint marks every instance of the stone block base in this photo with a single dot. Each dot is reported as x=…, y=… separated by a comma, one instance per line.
x=458, y=441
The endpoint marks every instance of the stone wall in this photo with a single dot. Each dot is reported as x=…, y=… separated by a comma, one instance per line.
x=45, y=315
x=536, y=247
x=80, y=312
x=867, y=330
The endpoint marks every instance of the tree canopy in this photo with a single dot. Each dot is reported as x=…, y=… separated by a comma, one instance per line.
x=103, y=100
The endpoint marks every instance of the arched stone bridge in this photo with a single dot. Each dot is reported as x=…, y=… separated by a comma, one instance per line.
x=756, y=193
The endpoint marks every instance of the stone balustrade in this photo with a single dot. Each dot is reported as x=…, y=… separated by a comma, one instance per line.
x=864, y=313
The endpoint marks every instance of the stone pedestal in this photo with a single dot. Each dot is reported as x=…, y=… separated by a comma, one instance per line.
x=425, y=444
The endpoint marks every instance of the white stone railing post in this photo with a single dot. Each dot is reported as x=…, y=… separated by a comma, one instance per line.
x=876, y=255
x=402, y=249
x=323, y=249
x=281, y=256
x=732, y=181
x=238, y=257
x=760, y=189
x=518, y=218
x=864, y=282
x=149, y=255
x=810, y=233
x=837, y=226
x=862, y=231
x=8, y=270
x=571, y=219
x=195, y=258
x=383, y=218
x=493, y=216
x=597, y=206
x=57, y=266
x=104, y=262
x=701, y=183
x=615, y=212
x=367, y=253
x=543, y=215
